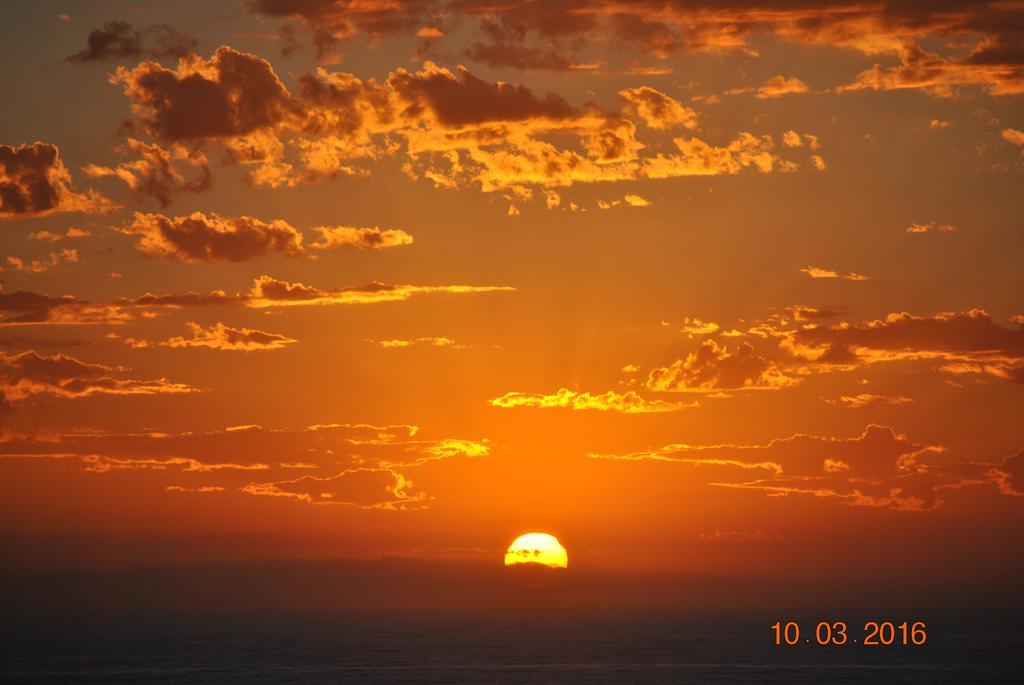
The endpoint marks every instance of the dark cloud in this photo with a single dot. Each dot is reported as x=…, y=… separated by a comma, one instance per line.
x=21, y=306
x=469, y=100
x=118, y=40
x=230, y=94
x=202, y=238
x=809, y=313
x=966, y=342
x=333, y=21
x=878, y=468
x=35, y=182
x=28, y=373
x=347, y=464
x=154, y=172
x=518, y=57
x=1012, y=470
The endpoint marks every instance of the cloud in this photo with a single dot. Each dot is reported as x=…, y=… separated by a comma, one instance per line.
x=333, y=21
x=366, y=238
x=54, y=237
x=525, y=58
x=65, y=256
x=451, y=128
x=658, y=110
x=201, y=238
x=980, y=44
x=231, y=94
x=931, y=227
x=463, y=99
x=968, y=342
x=867, y=400
x=818, y=272
x=221, y=337
x=430, y=32
x=777, y=86
x=154, y=173
x=361, y=487
x=628, y=402
x=698, y=158
x=430, y=341
x=698, y=327
x=34, y=182
x=1010, y=475
x=26, y=308
x=628, y=200
x=1012, y=135
x=662, y=28
x=878, y=468
x=807, y=313
x=28, y=373
x=271, y=292
x=713, y=368
x=995, y=71
x=739, y=537
x=360, y=465
x=117, y=40
x=201, y=489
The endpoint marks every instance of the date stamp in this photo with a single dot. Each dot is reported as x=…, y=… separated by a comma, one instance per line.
x=837, y=633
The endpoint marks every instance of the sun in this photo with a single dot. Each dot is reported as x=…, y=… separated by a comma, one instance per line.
x=537, y=548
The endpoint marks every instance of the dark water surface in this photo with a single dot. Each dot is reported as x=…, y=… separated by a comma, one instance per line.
x=507, y=646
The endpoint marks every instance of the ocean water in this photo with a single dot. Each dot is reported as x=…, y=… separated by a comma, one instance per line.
x=498, y=646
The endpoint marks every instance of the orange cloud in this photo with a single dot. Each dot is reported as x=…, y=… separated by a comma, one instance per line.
x=628, y=402
x=867, y=400
x=221, y=337
x=986, y=67
x=658, y=110
x=458, y=130
x=818, y=272
x=270, y=292
x=361, y=487
x=49, y=236
x=545, y=35
x=777, y=86
x=375, y=238
x=931, y=227
x=428, y=341
x=65, y=256
x=713, y=368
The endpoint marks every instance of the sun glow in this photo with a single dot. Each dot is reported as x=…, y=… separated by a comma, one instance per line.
x=537, y=548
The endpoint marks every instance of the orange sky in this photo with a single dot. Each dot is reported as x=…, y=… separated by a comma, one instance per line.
x=716, y=287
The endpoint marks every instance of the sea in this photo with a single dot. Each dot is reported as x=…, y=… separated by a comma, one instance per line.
x=501, y=646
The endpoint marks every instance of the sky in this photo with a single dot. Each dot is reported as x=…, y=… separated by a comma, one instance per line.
x=728, y=288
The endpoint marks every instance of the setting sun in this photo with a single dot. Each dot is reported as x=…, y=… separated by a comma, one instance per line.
x=537, y=548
